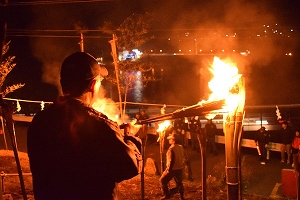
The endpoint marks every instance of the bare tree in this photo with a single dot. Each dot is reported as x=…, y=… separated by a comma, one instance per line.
x=130, y=34
x=6, y=66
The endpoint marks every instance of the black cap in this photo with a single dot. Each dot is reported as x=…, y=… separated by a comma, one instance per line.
x=77, y=72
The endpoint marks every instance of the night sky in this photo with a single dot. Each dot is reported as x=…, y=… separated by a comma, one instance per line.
x=271, y=76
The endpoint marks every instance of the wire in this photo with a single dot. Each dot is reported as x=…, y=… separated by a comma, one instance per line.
x=54, y=36
x=52, y=2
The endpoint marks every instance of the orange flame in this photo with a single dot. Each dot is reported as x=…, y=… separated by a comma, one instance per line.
x=107, y=107
x=161, y=129
x=163, y=125
x=224, y=84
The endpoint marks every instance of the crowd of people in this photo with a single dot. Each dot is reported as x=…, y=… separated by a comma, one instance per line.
x=180, y=134
x=289, y=144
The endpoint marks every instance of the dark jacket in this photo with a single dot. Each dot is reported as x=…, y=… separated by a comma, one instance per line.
x=262, y=137
x=75, y=153
x=175, y=157
x=211, y=129
x=287, y=136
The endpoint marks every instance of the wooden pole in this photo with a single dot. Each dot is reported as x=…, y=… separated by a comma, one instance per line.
x=115, y=60
x=7, y=115
x=81, y=43
x=143, y=172
x=232, y=127
x=202, y=143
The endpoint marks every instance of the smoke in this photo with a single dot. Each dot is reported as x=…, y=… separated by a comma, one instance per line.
x=228, y=28
x=220, y=25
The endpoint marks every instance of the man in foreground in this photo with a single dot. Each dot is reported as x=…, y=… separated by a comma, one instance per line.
x=76, y=152
x=175, y=159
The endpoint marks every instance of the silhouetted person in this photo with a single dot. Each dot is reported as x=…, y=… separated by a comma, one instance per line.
x=76, y=152
x=143, y=133
x=211, y=132
x=286, y=140
x=295, y=150
x=195, y=128
x=262, y=139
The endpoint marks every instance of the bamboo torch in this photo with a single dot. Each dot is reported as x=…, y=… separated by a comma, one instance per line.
x=232, y=127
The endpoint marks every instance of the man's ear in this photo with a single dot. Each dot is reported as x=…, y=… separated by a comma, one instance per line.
x=92, y=85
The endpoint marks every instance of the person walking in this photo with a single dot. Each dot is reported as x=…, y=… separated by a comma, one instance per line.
x=286, y=140
x=76, y=152
x=262, y=141
x=211, y=132
x=175, y=159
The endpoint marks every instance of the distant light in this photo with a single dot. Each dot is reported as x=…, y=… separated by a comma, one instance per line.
x=174, y=54
x=211, y=50
x=245, y=53
x=265, y=31
x=223, y=50
x=226, y=35
x=258, y=35
x=179, y=50
x=292, y=30
x=160, y=50
x=288, y=54
x=268, y=26
x=195, y=39
x=169, y=38
x=200, y=50
x=233, y=50
x=190, y=50
x=151, y=50
x=261, y=122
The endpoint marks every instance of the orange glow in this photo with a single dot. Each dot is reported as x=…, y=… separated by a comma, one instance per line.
x=107, y=107
x=224, y=84
x=161, y=129
x=163, y=125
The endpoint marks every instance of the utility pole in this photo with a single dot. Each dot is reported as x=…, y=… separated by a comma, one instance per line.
x=2, y=39
x=115, y=59
x=81, y=43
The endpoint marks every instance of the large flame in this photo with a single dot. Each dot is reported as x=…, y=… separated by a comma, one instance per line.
x=163, y=125
x=161, y=129
x=107, y=107
x=224, y=84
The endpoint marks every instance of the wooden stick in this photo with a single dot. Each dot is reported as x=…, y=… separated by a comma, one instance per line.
x=194, y=110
